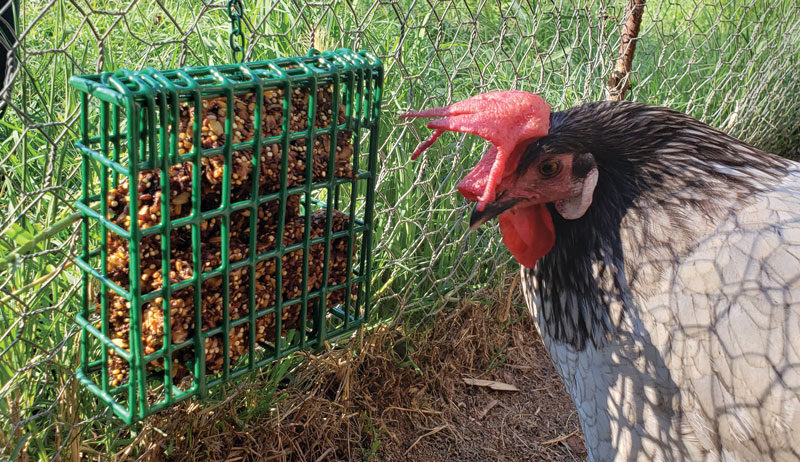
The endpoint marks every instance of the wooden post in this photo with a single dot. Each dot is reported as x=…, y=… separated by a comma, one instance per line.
x=619, y=81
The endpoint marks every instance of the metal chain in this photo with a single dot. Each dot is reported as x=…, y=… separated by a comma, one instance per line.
x=235, y=12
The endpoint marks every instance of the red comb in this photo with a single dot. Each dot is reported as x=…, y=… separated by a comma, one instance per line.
x=503, y=118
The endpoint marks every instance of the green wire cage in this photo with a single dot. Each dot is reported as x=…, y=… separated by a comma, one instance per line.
x=227, y=220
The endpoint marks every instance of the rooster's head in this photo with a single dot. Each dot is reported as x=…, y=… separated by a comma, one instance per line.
x=516, y=178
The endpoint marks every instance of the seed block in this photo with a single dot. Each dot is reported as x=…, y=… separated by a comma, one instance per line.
x=181, y=264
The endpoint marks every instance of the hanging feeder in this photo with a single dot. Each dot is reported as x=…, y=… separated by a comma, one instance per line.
x=202, y=261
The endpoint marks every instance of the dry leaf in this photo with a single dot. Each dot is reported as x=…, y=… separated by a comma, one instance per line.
x=488, y=408
x=575, y=443
x=494, y=385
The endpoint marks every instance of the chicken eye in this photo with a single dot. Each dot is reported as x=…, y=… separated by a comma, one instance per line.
x=549, y=168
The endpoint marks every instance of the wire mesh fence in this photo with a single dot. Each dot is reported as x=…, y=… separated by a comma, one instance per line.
x=732, y=64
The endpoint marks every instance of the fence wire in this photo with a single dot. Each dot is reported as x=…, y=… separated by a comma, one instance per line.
x=733, y=64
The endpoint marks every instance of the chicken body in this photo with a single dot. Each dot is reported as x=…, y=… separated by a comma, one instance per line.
x=661, y=260
x=705, y=364
x=677, y=331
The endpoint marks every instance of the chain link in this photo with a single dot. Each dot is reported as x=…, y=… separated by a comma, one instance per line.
x=235, y=12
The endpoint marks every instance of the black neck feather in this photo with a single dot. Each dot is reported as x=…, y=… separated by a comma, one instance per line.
x=651, y=160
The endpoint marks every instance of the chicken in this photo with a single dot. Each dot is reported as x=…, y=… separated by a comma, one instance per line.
x=661, y=260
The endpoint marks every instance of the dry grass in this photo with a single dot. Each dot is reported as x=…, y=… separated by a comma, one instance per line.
x=389, y=397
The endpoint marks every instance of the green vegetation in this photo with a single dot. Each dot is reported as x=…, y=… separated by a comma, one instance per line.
x=733, y=66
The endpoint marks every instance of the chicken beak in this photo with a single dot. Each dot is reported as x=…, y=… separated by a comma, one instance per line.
x=492, y=209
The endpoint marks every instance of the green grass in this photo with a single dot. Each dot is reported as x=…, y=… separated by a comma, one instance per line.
x=733, y=65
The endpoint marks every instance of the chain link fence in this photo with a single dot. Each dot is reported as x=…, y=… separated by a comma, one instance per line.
x=731, y=63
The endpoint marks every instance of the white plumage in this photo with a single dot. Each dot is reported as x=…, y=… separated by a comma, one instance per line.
x=707, y=366
x=704, y=364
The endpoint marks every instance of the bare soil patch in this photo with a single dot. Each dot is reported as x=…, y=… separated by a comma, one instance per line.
x=391, y=397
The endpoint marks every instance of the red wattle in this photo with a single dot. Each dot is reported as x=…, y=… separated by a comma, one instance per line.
x=528, y=233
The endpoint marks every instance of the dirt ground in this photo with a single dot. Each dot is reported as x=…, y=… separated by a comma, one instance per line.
x=389, y=397
x=476, y=423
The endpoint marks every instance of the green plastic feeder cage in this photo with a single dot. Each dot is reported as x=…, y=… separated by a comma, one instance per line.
x=202, y=260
